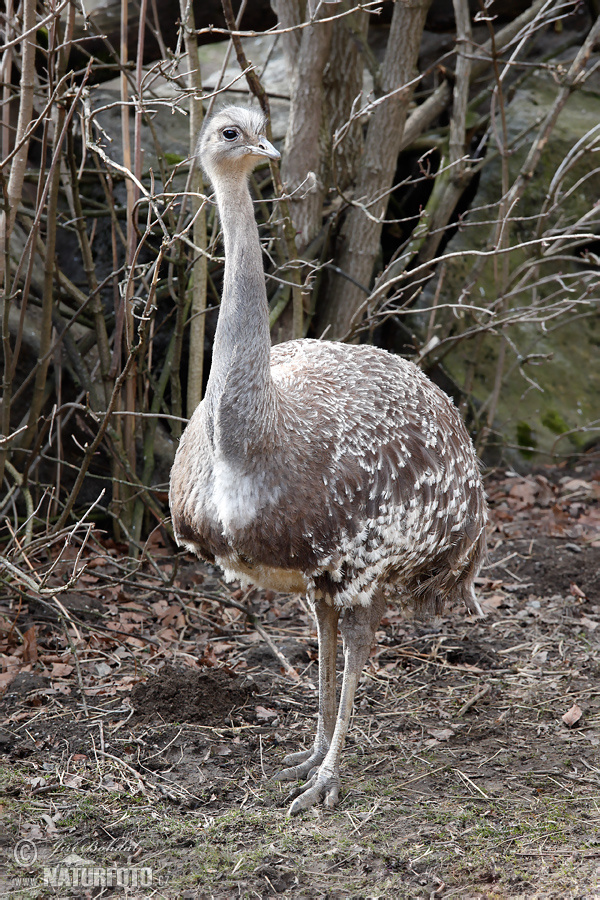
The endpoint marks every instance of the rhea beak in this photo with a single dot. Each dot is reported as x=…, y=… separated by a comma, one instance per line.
x=266, y=148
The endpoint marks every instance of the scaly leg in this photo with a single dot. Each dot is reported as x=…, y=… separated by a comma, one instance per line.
x=358, y=630
x=302, y=763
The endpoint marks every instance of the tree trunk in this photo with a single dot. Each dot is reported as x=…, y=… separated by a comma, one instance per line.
x=361, y=231
x=301, y=167
x=343, y=84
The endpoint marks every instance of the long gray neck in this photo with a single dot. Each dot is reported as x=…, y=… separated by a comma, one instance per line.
x=240, y=399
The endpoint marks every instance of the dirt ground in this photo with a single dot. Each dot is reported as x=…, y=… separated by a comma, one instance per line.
x=139, y=739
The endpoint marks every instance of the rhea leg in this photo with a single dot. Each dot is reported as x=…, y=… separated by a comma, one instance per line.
x=302, y=763
x=358, y=628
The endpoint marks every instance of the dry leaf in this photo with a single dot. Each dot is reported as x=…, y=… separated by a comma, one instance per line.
x=265, y=714
x=167, y=634
x=575, y=486
x=170, y=613
x=208, y=658
x=86, y=578
x=129, y=604
x=160, y=607
x=573, y=716
x=7, y=677
x=31, y=831
x=18, y=717
x=60, y=670
x=441, y=734
x=135, y=642
x=220, y=647
x=494, y=601
x=30, y=651
x=73, y=781
x=523, y=494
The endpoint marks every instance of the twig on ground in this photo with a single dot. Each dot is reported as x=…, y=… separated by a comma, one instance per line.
x=289, y=669
x=485, y=690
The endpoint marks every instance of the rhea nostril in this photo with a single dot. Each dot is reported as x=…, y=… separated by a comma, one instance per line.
x=268, y=149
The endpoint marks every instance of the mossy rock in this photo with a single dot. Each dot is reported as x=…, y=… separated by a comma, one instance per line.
x=551, y=378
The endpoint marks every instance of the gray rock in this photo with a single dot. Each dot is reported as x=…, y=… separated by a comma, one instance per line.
x=565, y=352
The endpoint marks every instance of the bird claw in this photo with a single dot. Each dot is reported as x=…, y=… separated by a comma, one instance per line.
x=323, y=786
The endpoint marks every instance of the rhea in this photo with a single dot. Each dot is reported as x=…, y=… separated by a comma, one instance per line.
x=336, y=470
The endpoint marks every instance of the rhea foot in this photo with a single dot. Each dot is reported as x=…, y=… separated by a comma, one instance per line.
x=300, y=765
x=324, y=786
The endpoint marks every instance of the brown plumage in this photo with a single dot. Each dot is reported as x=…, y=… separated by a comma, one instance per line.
x=336, y=470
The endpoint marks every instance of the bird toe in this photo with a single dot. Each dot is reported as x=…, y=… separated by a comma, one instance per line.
x=304, y=764
x=294, y=759
x=292, y=773
x=322, y=787
x=332, y=796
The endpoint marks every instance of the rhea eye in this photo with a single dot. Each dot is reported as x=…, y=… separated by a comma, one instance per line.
x=230, y=134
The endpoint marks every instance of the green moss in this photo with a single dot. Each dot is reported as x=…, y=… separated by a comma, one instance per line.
x=549, y=377
x=554, y=421
x=526, y=439
x=173, y=159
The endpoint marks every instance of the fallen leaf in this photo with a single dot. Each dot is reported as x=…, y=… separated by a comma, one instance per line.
x=86, y=578
x=220, y=647
x=30, y=651
x=135, y=642
x=494, y=601
x=545, y=491
x=170, y=613
x=73, y=781
x=573, y=716
x=31, y=831
x=167, y=634
x=160, y=607
x=127, y=603
x=441, y=734
x=208, y=658
x=575, y=486
x=7, y=677
x=60, y=670
x=17, y=717
x=265, y=714
x=523, y=494
x=576, y=591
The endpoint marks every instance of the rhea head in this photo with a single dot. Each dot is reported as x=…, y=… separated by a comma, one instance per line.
x=233, y=141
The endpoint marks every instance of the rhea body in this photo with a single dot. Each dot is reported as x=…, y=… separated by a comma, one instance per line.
x=335, y=470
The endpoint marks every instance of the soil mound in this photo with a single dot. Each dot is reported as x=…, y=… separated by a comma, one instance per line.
x=186, y=695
